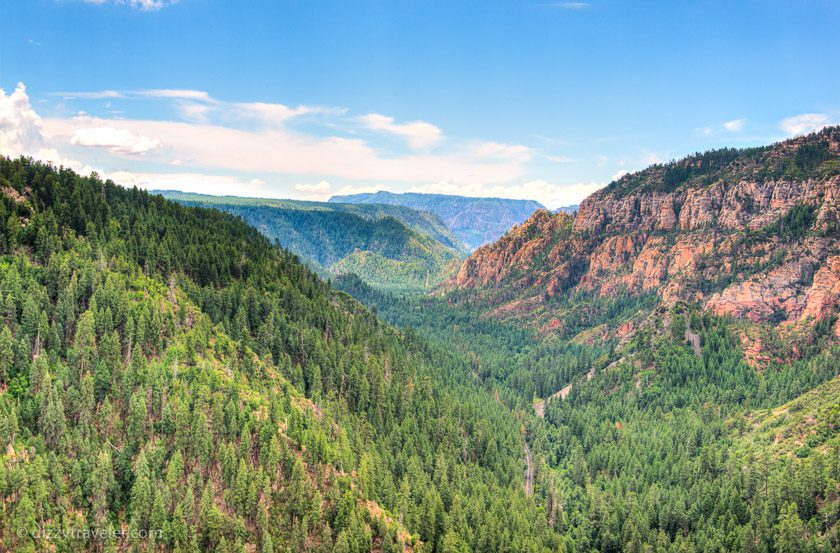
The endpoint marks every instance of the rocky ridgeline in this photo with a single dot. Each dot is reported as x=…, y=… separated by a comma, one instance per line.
x=748, y=233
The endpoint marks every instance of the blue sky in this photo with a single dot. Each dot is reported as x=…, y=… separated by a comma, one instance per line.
x=545, y=100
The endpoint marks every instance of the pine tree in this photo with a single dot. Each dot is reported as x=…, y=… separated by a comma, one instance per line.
x=53, y=423
x=87, y=402
x=200, y=439
x=137, y=414
x=789, y=530
x=84, y=343
x=158, y=523
x=141, y=494
x=7, y=354
x=178, y=528
x=101, y=485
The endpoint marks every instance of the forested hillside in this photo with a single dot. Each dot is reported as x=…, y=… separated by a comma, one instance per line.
x=391, y=247
x=172, y=381
x=475, y=221
x=665, y=443
x=657, y=419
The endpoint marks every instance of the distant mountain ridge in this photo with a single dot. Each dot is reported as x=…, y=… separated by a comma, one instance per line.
x=475, y=221
x=389, y=247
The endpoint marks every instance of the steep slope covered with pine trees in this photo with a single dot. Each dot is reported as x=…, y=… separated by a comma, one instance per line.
x=654, y=422
x=389, y=246
x=172, y=381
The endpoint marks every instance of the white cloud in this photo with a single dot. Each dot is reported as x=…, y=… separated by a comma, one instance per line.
x=247, y=140
x=498, y=150
x=279, y=150
x=150, y=5
x=21, y=131
x=560, y=159
x=165, y=93
x=141, y=5
x=570, y=5
x=199, y=106
x=419, y=134
x=175, y=93
x=320, y=191
x=95, y=95
x=804, y=123
x=268, y=114
x=20, y=125
x=193, y=111
x=735, y=125
x=121, y=141
x=619, y=174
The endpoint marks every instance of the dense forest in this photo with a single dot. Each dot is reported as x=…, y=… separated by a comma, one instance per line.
x=661, y=447
x=174, y=382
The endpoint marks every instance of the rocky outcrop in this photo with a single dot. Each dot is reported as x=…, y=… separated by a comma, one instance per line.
x=824, y=294
x=751, y=234
x=773, y=296
x=531, y=254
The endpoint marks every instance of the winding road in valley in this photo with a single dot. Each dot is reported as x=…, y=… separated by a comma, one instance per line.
x=539, y=406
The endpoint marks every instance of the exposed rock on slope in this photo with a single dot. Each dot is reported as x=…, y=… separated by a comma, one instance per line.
x=748, y=233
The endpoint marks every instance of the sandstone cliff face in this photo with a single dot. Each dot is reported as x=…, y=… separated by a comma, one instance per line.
x=753, y=235
x=824, y=294
x=723, y=205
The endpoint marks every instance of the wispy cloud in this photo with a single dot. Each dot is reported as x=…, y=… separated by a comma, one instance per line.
x=140, y=5
x=199, y=106
x=163, y=93
x=319, y=191
x=498, y=150
x=732, y=126
x=118, y=141
x=558, y=159
x=236, y=146
x=419, y=134
x=569, y=5
x=805, y=123
x=95, y=95
x=735, y=125
x=177, y=94
x=34, y=42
